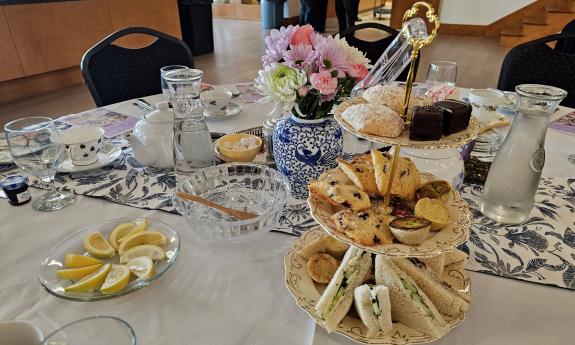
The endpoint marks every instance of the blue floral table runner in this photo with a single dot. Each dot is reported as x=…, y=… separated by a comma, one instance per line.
x=542, y=250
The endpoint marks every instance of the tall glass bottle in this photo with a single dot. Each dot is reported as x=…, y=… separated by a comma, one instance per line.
x=192, y=140
x=512, y=181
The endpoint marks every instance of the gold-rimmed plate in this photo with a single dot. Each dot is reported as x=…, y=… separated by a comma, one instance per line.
x=307, y=293
x=436, y=243
x=449, y=141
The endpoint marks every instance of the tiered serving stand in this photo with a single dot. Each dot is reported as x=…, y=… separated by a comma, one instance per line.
x=306, y=291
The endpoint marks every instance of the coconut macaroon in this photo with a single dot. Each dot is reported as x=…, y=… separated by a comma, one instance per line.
x=393, y=96
x=348, y=103
x=374, y=119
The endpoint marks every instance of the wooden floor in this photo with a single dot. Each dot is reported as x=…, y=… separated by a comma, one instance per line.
x=239, y=45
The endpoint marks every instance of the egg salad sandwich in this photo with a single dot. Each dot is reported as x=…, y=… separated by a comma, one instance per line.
x=446, y=299
x=374, y=308
x=411, y=306
x=337, y=298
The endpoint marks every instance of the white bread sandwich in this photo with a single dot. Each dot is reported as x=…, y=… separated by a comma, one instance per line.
x=374, y=308
x=411, y=306
x=446, y=299
x=455, y=260
x=337, y=298
x=436, y=263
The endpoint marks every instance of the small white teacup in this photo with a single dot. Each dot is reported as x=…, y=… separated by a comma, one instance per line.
x=216, y=101
x=20, y=332
x=484, y=103
x=82, y=143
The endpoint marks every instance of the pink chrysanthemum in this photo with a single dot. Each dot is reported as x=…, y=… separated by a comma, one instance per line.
x=330, y=56
x=299, y=56
x=276, y=44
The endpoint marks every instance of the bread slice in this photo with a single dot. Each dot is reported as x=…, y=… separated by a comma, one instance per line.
x=435, y=263
x=361, y=172
x=411, y=306
x=405, y=181
x=455, y=260
x=445, y=298
x=366, y=304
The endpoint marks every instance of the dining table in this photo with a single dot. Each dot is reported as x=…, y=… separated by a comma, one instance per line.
x=235, y=293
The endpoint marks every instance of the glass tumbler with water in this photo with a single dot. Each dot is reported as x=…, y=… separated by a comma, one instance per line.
x=163, y=71
x=513, y=179
x=192, y=140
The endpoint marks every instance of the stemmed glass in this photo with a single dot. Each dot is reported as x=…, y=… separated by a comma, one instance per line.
x=35, y=148
x=94, y=330
x=442, y=73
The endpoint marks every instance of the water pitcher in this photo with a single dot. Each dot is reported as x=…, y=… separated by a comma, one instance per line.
x=512, y=181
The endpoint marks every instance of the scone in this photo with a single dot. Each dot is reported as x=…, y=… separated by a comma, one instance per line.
x=360, y=171
x=348, y=103
x=433, y=210
x=374, y=119
x=393, y=96
x=365, y=227
x=349, y=196
x=321, y=267
x=320, y=188
x=437, y=189
x=406, y=179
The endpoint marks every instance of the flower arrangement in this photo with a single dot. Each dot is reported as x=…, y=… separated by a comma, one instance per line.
x=307, y=72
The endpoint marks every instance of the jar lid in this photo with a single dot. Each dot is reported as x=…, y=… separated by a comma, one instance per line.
x=15, y=181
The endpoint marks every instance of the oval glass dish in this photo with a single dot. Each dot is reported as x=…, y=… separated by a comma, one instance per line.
x=241, y=186
x=72, y=244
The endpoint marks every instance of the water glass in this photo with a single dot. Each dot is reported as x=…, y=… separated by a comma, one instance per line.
x=163, y=72
x=94, y=330
x=36, y=147
x=442, y=73
x=184, y=87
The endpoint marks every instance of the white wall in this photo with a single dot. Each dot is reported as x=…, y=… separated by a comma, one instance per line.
x=478, y=12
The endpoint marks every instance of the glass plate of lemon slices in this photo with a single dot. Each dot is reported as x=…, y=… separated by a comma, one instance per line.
x=109, y=259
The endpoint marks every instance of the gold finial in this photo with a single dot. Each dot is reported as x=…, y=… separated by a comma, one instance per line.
x=431, y=17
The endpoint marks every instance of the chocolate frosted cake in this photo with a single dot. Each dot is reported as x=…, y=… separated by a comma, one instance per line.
x=456, y=115
x=426, y=123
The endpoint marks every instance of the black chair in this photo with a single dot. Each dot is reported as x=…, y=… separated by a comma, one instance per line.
x=374, y=49
x=536, y=63
x=114, y=74
x=567, y=46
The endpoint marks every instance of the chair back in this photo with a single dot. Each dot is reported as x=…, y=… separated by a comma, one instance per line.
x=536, y=63
x=114, y=74
x=567, y=46
x=374, y=49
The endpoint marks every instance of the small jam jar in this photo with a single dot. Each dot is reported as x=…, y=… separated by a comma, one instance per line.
x=16, y=189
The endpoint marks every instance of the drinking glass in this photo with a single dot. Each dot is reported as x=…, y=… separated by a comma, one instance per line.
x=34, y=144
x=163, y=72
x=442, y=73
x=94, y=330
x=193, y=148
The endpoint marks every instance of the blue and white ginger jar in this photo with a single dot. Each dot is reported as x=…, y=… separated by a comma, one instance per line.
x=304, y=149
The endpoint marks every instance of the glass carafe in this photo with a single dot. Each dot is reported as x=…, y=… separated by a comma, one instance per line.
x=512, y=181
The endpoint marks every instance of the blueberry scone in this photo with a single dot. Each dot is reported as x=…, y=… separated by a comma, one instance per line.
x=406, y=179
x=320, y=188
x=367, y=228
x=360, y=170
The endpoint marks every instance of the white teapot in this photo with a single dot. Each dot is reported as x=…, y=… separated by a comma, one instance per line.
x=152, y=138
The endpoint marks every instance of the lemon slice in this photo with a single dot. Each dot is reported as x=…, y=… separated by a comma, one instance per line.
x=116, y=280
x=120, y=232
x=143, y=237
x=150, y=250
x=77, y=273
x=142, y=267
x=142, y=226
x=90, y=282
x=77, y=261
x=97, y=245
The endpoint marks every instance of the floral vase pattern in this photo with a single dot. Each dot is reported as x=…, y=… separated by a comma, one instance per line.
x=303, y=149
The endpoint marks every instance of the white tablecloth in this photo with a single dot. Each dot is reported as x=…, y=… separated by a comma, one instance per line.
x=237, y=295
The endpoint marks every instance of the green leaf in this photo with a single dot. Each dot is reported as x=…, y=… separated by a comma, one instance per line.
x=327, y=64
x=333, y=73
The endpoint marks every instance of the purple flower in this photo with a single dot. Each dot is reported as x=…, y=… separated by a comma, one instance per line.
x=327, y=98
x=330, y=56
x=299, y=56
x=276, y=44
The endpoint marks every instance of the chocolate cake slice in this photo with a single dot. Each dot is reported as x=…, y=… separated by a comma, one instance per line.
x=456, y=115
x=426, y=123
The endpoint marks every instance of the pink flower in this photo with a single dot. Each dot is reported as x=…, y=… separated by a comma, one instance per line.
x=302, y=35
x=330, y=56
x=357, y=70
x=324, y=82
x=300, y=56
x=302, y=91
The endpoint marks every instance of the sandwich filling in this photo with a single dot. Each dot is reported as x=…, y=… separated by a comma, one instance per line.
x=414, y=291
x=349, y=274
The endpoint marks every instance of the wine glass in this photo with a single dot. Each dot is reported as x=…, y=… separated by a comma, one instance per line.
x=442, y=73
x=93, y=330
x=35, y=148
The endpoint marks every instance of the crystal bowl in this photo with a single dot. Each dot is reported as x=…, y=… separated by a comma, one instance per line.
x=242, y=186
